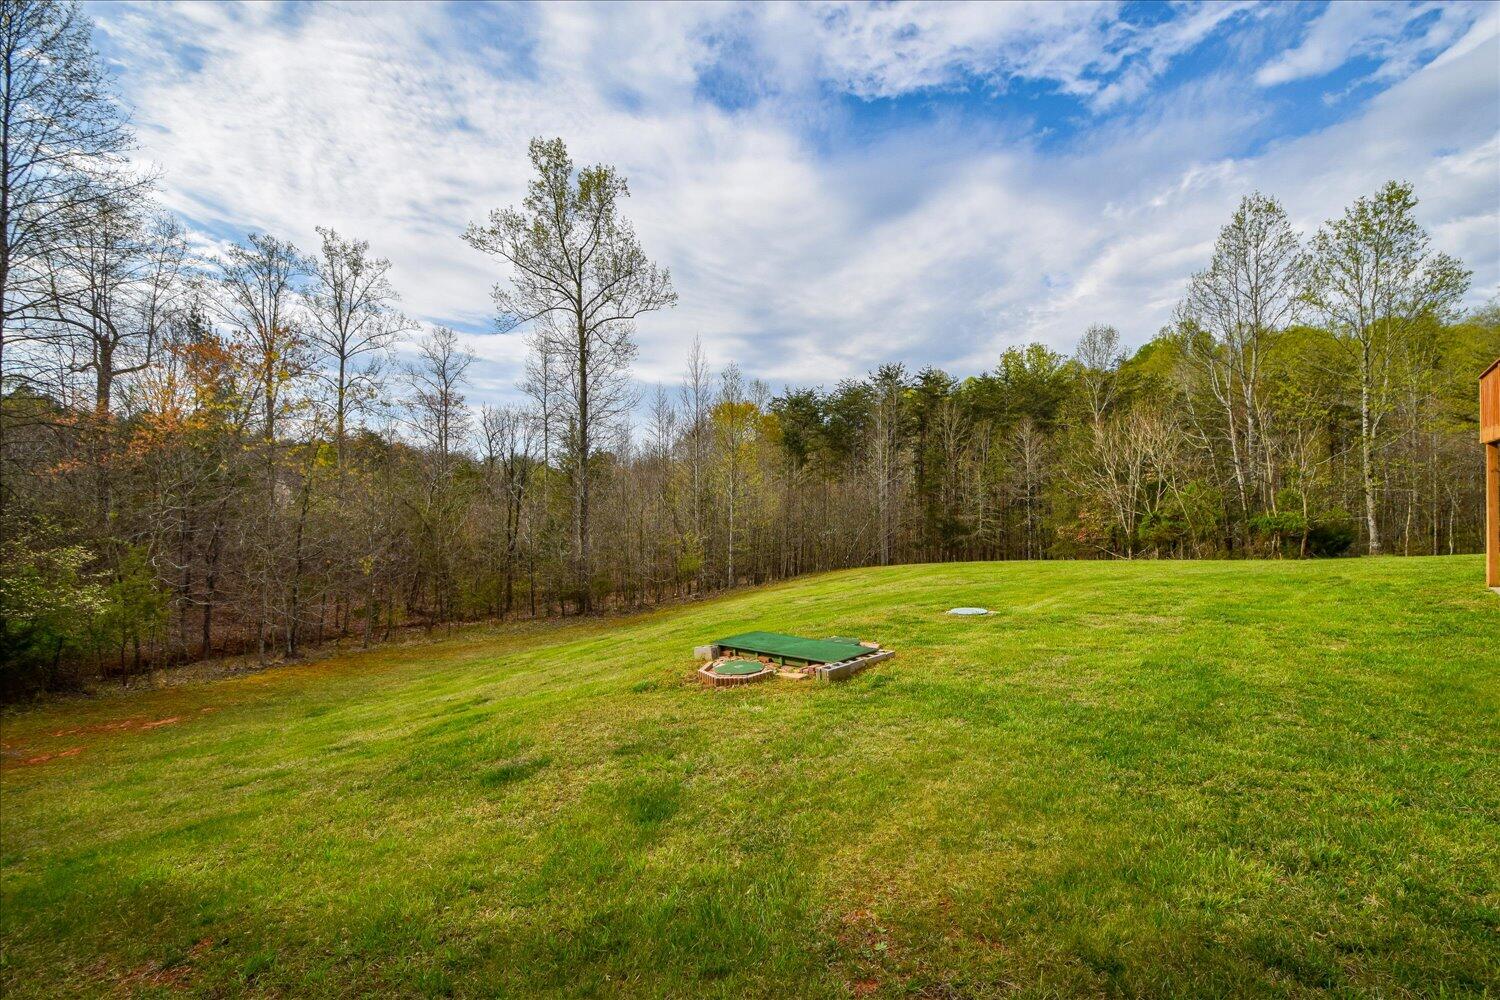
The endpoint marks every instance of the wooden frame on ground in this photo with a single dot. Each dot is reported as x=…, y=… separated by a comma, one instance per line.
x=788, y=656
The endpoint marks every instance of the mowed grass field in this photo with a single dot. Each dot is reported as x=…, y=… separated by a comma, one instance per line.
x=1154, y=778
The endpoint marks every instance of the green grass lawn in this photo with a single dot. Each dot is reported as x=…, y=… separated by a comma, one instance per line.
x=1149, y=778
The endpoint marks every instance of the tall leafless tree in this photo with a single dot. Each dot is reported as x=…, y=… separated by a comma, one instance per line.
x=1099, y=357
x=1253, y=287
x=888, y=453
x=260, y=284
x=436, y=382
x=1375, y=280
x=731, y=423
x=112, y=287
x=62, y=139
x=576, y=262
x=352, y=306
x=696, y=394
x=438, y=416
x=508, y=435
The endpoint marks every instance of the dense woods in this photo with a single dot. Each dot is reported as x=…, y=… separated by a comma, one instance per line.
x=256, y=450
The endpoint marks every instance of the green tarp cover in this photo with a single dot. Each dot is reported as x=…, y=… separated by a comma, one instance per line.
x=807, y=650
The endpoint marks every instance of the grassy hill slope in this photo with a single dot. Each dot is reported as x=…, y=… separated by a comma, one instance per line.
x=1168, y=778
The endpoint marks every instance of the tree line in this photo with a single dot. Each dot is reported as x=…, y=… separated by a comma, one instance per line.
x=253, y=450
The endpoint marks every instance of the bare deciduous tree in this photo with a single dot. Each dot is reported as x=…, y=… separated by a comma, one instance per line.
x=508, y=434
x=354, y=323
x=696, y=394
x=259, y=284
x=112, y=287
x=576, y=263
x=1375, y=280
x=62, y=140
x=437, y=412
x=1099, y=357
x=888, y=453
x=1252, y=287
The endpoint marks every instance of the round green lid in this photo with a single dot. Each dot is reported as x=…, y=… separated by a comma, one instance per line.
x=736, y=668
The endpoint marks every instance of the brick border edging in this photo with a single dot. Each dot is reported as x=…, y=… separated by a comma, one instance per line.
x=707, y=676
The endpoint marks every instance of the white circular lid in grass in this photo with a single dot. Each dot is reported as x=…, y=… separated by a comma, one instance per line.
x=969, y=611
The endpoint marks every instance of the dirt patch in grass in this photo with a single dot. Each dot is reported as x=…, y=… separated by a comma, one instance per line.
x=17, y=755
x=175, y=975
x=42, y=758
x=125, y=725
x=868, y=947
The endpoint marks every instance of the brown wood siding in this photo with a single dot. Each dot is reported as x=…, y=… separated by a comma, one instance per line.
x=1489, y=433
x=1492, y=515
x=1489, y=404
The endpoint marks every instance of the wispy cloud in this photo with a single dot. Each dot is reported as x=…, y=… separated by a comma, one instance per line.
x=1396, y=36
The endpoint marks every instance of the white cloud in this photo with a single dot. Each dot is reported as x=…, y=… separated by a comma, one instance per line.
x=1395, y=34
x=885, y=50
x=801, y=257
x=1089, y=50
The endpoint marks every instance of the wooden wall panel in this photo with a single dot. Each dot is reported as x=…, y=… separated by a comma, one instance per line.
x=1489, y=404
x=1492, y=515
x=1489, y=433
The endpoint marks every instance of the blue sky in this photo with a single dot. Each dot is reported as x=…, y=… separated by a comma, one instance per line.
x=833, y=185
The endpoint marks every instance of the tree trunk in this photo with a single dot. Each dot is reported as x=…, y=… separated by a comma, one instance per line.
x=1366, y=455
x=298, y=561
x=581, y=491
